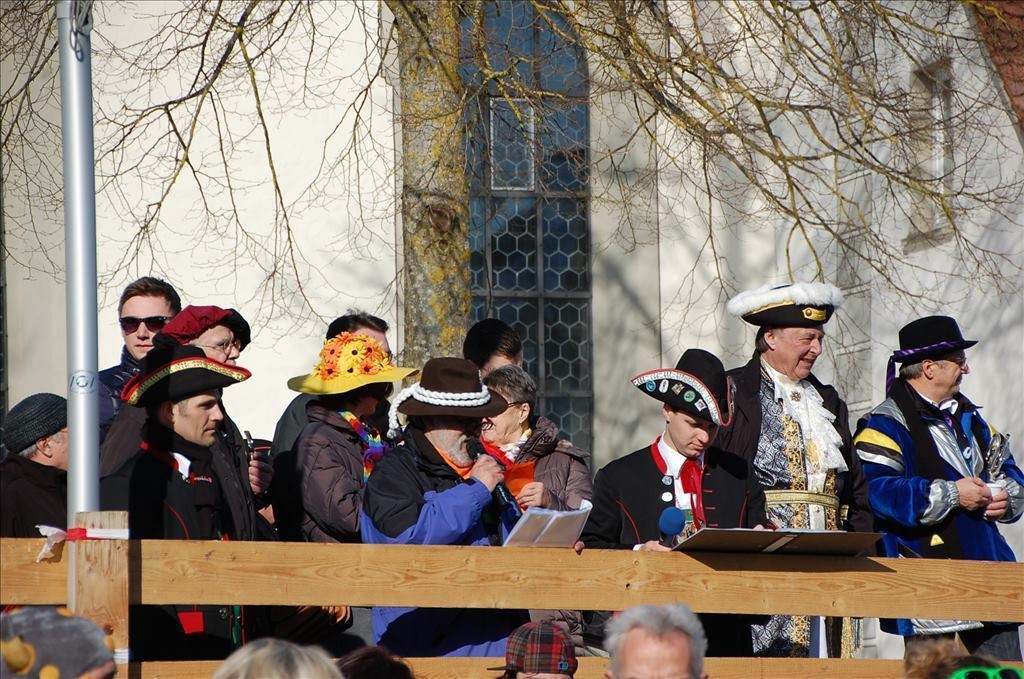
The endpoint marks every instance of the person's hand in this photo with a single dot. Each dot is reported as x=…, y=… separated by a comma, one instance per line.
x=261, y=474
x=653, y=546
x=578, y=547
x=487, y=471
x=533, y=494
x=1000, y=503
x=974, y=493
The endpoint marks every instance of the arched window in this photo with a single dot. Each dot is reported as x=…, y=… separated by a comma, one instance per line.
x=528, y=169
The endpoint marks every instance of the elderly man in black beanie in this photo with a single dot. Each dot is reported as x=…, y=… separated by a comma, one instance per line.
x=171, y=491
x=33, y=475
x=681, y=471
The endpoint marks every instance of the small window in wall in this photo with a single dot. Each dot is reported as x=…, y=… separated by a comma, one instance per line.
x=934, y=166
x=527, y=167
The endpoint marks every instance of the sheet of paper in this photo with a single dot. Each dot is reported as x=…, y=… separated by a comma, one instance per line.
x=548, y=527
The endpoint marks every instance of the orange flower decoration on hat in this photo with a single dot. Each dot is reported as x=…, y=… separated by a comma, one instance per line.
x=347, y=362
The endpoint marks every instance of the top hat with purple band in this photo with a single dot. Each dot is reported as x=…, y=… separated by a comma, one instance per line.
x=697, y=386
x=928, y=337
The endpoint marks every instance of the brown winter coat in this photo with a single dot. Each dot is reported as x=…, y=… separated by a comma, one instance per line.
x=329, y=457
x=562, y=468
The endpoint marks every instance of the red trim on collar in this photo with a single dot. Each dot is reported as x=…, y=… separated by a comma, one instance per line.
x=160, y=454
x=658, y=459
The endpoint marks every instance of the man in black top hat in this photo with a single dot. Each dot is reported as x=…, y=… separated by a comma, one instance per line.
x=796, y=432
x=433, y=489
x=681, y=469
x=938, y=474
x=171, y=491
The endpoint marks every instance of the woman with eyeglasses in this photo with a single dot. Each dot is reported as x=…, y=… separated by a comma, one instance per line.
x=541, y=469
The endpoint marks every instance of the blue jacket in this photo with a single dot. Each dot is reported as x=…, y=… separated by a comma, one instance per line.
x=413, y=497
x=912, y=510
x=112, y=381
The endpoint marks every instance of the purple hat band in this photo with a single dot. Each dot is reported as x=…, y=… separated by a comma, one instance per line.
x=890, y=369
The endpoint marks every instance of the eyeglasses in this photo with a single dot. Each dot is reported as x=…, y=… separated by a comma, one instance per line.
x=224, y=347
x=959, y=359
x=130, y=324
x=988, y=673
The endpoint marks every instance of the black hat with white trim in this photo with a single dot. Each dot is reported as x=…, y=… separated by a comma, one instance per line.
x=698, y=386
x=796, y=305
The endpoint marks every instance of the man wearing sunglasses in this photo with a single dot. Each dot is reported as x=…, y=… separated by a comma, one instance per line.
x=935, y=487
x=144, y=308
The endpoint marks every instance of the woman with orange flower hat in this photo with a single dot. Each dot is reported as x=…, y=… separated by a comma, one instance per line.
x=336, y=451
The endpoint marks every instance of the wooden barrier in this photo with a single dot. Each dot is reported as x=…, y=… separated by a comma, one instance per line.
x=590, y=668
x=164, y=572
x=474, y=577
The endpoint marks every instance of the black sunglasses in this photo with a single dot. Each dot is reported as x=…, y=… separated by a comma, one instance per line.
x=130, y=324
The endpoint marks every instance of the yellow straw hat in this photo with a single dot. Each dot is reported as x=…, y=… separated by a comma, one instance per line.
x=349, y=361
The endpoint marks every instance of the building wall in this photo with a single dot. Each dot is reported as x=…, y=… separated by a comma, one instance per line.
x=344, y=237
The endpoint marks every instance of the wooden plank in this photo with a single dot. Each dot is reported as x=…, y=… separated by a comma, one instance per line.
x=480, y=577
x=101, y=578
x=23, y=581
x=299, y=573
x=590, y=668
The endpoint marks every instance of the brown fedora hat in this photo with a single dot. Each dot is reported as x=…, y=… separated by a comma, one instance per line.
x=450, y=386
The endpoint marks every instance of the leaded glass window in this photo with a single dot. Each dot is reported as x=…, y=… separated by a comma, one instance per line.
x=529, y=185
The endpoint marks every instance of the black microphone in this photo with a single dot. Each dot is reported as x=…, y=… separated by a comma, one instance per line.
x=502, y=495
x=670, y=524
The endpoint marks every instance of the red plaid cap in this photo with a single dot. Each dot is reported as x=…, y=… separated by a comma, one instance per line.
x=539, y=647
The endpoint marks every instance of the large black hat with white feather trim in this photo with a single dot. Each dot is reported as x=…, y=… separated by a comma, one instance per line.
x=795, y=305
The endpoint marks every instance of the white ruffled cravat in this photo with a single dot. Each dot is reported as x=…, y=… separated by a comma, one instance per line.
x=802, y=402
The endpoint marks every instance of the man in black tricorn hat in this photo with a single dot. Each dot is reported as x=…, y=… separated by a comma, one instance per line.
x=938, y=476
x=682, y=469
x=795, y=430
x=171, y=491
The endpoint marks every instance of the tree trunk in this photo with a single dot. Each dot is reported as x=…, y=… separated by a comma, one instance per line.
x=435, y=194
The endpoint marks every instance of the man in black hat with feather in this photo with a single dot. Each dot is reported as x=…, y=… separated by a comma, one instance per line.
x=681, y=469
x=939, y=476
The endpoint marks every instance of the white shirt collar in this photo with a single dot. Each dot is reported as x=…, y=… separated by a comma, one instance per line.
x=950, y=404
x=673, y=458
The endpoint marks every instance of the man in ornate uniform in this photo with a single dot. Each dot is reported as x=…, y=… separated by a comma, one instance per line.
x=795, y=431
x=683, y=469
x=938, y=484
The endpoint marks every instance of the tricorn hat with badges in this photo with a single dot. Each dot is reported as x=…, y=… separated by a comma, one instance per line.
x=176, y=372
x=698, y=386
x=794, y=305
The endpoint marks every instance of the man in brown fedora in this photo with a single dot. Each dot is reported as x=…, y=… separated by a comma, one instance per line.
x=431, y=490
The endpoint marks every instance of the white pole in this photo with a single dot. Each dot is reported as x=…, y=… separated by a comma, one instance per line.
x=74, y=22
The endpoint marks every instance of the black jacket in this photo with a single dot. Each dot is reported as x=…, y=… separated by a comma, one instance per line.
x=31, y=494
x=628, y=501
x=742, y=435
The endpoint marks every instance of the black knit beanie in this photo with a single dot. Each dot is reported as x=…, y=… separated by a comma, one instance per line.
x=36, y=417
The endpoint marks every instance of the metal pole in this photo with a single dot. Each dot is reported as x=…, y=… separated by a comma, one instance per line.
x=73, y=25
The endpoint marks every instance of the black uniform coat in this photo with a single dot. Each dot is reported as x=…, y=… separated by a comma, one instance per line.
x=742, y=435
x=163, y=504
x=628, y=503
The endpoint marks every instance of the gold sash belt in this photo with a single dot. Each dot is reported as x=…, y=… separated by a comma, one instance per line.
x=788, y=497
